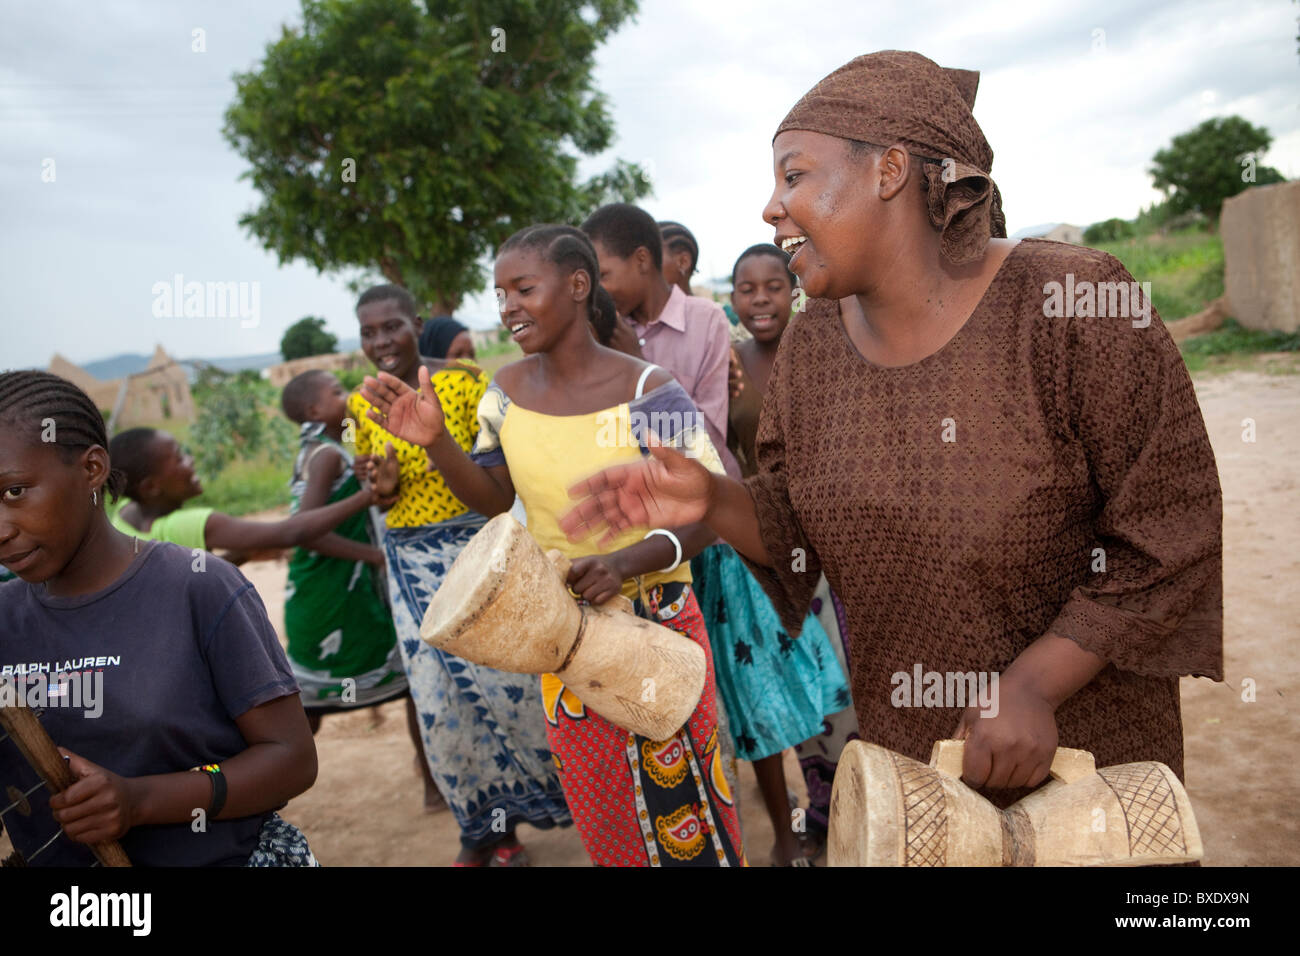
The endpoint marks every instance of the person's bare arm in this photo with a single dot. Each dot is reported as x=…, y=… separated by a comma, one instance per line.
x=732, y=517
x=278, y=764
x=489, y=491
x=239, y=534
x=416, y=417
x=1011, y=744
x=666, y=489
x=323, y=470
x=599, y=577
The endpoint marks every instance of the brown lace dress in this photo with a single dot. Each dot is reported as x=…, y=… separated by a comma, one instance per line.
x=1068, y=435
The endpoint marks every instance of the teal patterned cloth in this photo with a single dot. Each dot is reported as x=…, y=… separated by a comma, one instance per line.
x=777, y=689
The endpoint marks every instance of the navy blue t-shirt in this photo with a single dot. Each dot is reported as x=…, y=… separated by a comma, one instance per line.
x=178, y=647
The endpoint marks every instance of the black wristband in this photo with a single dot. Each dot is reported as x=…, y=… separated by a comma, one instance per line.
x=213, y=770
x=218, y=794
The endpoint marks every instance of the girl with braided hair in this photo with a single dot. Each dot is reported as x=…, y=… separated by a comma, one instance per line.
x=566, y=407
x=187, y=670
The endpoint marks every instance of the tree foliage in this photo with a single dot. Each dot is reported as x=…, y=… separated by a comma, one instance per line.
x=1109, y=230
x=307, y=337
x=233, y=421
x=1216, y=160
x=413, y=137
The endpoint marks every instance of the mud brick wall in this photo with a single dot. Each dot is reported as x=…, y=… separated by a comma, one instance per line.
x=1261, y=250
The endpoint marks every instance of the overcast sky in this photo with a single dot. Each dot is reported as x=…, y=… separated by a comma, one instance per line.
x=1075, y=97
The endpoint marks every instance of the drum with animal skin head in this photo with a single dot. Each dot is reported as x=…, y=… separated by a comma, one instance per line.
x=504, y=604
x=890, y=810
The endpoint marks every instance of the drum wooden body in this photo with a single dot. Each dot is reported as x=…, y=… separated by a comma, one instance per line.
x=890, y=810
x=504, y=604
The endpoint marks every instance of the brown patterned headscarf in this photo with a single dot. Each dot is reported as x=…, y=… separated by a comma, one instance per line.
x=900, y=97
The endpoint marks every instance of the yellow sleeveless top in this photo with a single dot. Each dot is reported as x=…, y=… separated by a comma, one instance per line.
x=547, y=454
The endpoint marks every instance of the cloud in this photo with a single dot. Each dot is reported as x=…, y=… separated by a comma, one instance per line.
x=147, y=187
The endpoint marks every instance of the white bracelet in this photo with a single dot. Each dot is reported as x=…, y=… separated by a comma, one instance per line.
x=676, y=544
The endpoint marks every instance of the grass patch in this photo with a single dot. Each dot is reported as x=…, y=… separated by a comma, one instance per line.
x=246, y=486
x=504, y=346
x=243, y=486
x=1185, y=269
x=491, y=362
x=1222, y=349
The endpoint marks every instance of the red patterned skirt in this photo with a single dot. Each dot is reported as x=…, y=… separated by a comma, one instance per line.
x=638, y=802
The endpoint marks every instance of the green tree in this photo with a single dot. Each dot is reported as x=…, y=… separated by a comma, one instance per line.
x=1109, y=230
x=237, y=420
x=306, y=337
x=1206, y=165
x=412, y=138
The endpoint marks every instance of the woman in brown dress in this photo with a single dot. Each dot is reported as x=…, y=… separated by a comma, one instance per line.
x=998, y=460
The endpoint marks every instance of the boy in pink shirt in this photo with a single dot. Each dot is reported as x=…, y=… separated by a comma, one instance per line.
x=686, y=335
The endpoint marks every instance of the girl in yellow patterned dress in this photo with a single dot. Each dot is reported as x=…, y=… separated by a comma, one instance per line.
x=568, y=408
x=483, y=729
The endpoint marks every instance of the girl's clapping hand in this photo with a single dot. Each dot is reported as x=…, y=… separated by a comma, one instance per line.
x=413, y=416
x=99, y=806
x=361, y=467
x=386, y=472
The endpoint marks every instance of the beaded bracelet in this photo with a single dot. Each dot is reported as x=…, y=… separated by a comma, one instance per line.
x=218, y=788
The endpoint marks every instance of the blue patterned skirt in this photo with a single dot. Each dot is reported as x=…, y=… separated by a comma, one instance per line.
x=777, y=689
x=484, y=730
x=280, y=843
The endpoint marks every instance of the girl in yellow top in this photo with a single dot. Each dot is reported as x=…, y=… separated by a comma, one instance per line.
x=568, y=408
x=482, y=728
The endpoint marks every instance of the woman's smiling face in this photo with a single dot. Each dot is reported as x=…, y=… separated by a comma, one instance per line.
x=389, y=337
x=536, y=300
x=824, y=210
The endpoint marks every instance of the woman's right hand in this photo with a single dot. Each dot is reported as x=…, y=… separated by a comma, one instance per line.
x=386, y=472
x=413, y=416
x=666, y=490
x=361, y=466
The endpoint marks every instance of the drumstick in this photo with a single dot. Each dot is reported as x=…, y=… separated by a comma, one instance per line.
x=39, y=751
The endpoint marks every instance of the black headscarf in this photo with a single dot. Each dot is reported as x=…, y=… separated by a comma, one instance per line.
x=438, y=334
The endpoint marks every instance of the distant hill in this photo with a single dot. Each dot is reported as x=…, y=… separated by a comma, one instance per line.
x=108, y=369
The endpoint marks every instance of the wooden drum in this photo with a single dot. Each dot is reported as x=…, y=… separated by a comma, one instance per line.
x=504, y=604
x=890, y=810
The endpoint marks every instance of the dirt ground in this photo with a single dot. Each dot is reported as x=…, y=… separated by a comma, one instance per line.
x=1241, y=735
